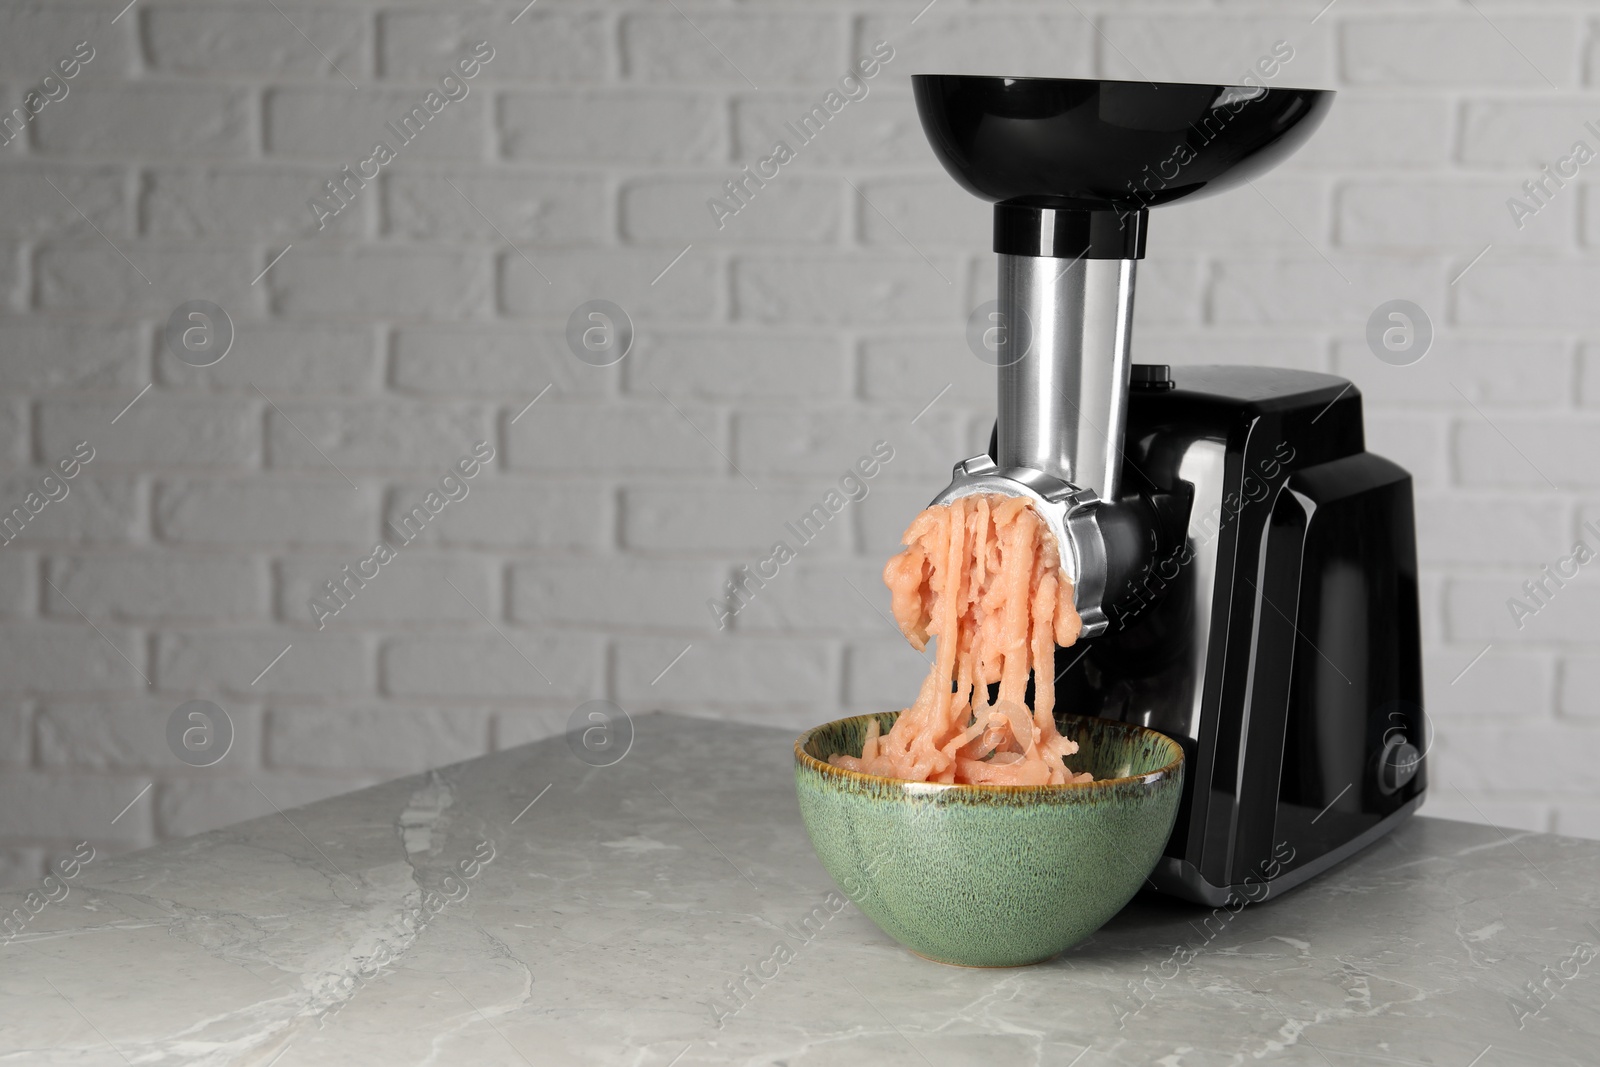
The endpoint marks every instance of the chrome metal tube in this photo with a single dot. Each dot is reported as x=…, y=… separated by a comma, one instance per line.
x=1062, y=405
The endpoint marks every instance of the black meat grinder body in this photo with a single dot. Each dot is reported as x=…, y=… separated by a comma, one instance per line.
x=1245, y=569
x=1275, y=632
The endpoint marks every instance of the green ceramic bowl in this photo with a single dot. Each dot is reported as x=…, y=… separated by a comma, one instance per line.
x=986, y=875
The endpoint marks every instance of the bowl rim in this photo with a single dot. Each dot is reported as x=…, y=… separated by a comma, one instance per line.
x=930, y=76
x=810, y=762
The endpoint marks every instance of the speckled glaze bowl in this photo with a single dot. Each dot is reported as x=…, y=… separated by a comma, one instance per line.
x=986, y=875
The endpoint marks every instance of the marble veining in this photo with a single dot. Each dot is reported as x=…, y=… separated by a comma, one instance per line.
x=669, y=910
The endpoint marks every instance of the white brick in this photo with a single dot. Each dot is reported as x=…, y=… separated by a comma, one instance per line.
x=1474, y=757
x=130, y=734
x=1491, y=372
x=156, y=122
x=1525, y=451
x=883, y=675
x=157, y=586
x=50, y=356
x=373, y=436
x=1477, y=609
x=16, y=732
x=1491, y=530
x=1577, y=819
x=900, y=369
x=33, y=37
x=517, y=666
x=785, y=210
x=71, y=807
x=14, y=149
x=1580, y=687
x=194, y=807
x=1430, y=597
x=95, y=509
x=84, y=277
x=1522, y=133
x=1416, y=442
x=784, y=670
x=1588, y=376
x=1306, y=288
x=615, y=436
x=1168, y=292
x=885, y=514
x=830, y=444
x=728, y=517
x=1514, y=292
x=769, y=49
x=880, y=129
x=292, y=511
x=1060, y=44
x=1460, y=50
x=1591, y=53
x=496, y=361
x=245, y=201
x=698, y=364
x=1476, y=807
x=340, y=125
x=1587, y=514
x=820, y=597
x=14, y=444
x=1590, y=225
x=235, y=41
x=840, y=290
x=542, y=46
x=412, y=588
x=613, y=126
x=926, y=212
x=19, y=593
x=1215, y=50
x=615, y=591
x=393, y=740
x=503, y=513
x=685, y=293
x=279, y=358
x=401, y=283
x=12, y=273
x=229, y=660
x=541, y=209
x=156, y=430
x=70, y=657
x=34, y=210
x=1435, y=214
x=1281, y=209
x=1114, y=5
x=1499, y=682
x=1383, y=131
x=527, y=724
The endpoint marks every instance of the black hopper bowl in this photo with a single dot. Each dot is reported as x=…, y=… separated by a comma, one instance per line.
x=1088, y=145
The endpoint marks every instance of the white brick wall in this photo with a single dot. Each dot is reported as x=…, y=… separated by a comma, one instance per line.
x=819, y=319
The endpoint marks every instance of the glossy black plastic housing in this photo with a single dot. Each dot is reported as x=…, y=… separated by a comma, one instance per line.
x=1309, y=680
x=1084, y=145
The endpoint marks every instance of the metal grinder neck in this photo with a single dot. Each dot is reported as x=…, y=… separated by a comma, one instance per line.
x=1063, y=404
x=1066, y=291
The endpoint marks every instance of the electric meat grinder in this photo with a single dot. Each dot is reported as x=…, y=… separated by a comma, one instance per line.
x=1245, y=570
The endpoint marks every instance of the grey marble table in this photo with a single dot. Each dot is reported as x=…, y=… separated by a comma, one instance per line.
x=441, y=919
